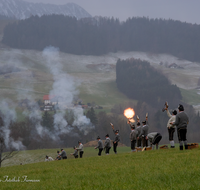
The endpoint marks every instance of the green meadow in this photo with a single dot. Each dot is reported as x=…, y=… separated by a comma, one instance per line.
x=157, y=169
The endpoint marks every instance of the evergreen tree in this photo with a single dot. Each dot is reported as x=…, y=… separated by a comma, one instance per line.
x=92, y=116
x=138, y=80
x=47, y=120
x=92, y=37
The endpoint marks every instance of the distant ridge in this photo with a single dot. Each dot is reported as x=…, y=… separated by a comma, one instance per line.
x=21, y=10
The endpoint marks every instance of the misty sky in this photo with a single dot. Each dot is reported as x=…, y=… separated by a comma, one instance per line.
x=183, y=10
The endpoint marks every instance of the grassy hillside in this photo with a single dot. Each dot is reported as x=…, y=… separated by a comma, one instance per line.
x=94, y=75
x=161, y=169
x=35, y=156
x=190, y=96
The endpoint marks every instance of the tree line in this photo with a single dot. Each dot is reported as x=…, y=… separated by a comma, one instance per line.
x=25, y=130
x=97, y=36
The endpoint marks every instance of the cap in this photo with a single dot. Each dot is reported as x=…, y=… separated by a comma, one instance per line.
x=79, y=142
x=58, y=151
x=107, y=135
x=144, y=122
x=61, y=149
x=138, y=123
x=116, y=131
x=133, y=126
x=98, y=137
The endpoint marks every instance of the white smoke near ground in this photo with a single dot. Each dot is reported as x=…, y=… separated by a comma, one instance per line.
x=9, y=116
x=36, y=116
x=64, y=88
x=81, y=121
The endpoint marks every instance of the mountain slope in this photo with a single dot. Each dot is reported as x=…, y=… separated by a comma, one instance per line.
x=21, y=10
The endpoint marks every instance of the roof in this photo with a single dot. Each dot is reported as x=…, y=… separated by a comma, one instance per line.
x=48, y=97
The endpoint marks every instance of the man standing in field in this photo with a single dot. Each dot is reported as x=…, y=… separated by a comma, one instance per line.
x=133, y=136
x=139, y=128
x=154, y=138
x=80, y=149
x=171, y=128
x=181, y=122
x=100, y=145
x=116, y=140
x=143, y=134
x=107, y=144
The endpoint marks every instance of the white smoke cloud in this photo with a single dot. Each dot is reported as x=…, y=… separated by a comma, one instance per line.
x=81, y=121
x=9, y=116
x=64, y=88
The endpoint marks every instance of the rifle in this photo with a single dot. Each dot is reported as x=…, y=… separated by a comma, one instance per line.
x=165, y=106
x=112, y=126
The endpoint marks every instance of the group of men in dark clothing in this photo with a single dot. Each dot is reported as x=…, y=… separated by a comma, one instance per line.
x=139, y=135
x=181, y=123
x=107, y=144
x=63, y=154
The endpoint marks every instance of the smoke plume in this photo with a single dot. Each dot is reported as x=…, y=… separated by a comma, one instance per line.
x=9, y=116
x=64, y=88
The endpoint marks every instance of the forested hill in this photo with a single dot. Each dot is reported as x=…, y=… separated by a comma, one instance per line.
x=139, y=80
x=96, y=36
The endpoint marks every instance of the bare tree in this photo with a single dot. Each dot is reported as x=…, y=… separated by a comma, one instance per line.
x=6, y=155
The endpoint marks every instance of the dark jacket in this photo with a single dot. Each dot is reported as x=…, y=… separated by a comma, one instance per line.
x=117, y=137
x=138, y=129
x=63, y=154
x=75, y=153
x=107, y=143
x=133, y=135
x=144, y=131
x=100, y=144
x=182, y=120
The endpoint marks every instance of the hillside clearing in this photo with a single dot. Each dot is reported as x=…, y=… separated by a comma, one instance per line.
x=94, y=76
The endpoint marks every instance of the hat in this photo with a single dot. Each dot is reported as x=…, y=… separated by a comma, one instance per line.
x=98, y=137
x=133, y=126
x=144, y=122
x=79, y=142
x=116, y=131
x=180, y=107
x=174, y=112
x=58, y=151
x=107, y=135
x=138, y=123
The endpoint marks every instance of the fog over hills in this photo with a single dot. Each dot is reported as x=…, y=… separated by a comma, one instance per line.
x=21, y=10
